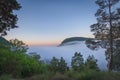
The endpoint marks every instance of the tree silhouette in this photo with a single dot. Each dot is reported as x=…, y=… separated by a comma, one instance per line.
x=62, y=65
x=54, y=64
x=107, y=28
x=91, y=63
x=17, y=45
x=77, y=62
x=8, y=19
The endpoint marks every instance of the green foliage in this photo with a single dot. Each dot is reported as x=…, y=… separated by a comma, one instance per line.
x=83, y=75
x=62, y=65
x=116, y=60
x=60, y=77
x=91, y=63
x=19, y=46
x=35, y=55
x=39, y=77
x=16, y=62
x=5, y=77
x=77, y=62
x=49, y=76
x=29, y=66
x=54, y=64
x=107, y=29
x=73, y=75
x=7, y=18
x=44, y=69
x=89, y=74
x=57, y=65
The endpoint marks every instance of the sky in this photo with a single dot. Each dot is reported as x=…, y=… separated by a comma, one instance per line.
x=48, y=22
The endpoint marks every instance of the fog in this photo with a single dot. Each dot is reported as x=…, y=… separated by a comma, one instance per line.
x=67, y=51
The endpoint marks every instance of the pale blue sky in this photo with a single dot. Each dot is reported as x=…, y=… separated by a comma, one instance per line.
x=50, y=21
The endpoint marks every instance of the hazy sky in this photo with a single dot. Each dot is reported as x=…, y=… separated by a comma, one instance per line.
x=43, y=22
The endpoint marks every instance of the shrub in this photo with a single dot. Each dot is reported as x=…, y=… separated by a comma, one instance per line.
x=5, y=77
x=18, y=64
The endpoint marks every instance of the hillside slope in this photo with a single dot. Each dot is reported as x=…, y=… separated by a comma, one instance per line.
x=73, y=40
x=4, y=41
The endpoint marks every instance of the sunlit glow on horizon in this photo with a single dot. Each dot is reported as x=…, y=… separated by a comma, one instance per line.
x=50, y=43
x=42, y=43
x=49, y=23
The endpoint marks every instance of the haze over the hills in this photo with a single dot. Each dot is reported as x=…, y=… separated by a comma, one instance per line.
x=67, y=51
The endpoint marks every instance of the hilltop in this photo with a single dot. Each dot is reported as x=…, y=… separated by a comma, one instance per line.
x=73, y=40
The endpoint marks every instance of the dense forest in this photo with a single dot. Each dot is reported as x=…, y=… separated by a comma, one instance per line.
x=17, y=64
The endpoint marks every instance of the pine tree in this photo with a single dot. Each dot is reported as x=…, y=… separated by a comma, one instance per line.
x=77, y=62
x=62, y=65
x=91, y=63
x=107, y=28
x=54, y=64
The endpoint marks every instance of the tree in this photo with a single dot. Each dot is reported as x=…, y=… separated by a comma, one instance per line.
x=58, y=65
x=17, y=45
x=62, y=65
x=116, y=58
x=8, y=20
x=91, y=63
x=17, y=63
x=54, y=64
x=107, y=28
x=77, y=62
x=35, y=56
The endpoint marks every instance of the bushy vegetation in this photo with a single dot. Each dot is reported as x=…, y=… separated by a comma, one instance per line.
x=57, y=65
x=15, y=63
x=5, y=77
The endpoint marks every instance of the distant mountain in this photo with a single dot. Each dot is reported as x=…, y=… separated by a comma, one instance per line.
x=4, y=41
x=73, y=40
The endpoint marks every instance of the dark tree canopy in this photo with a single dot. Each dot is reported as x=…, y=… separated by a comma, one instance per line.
x=91, y=63
x=77, y=62
x=8, y=19
x=107, y=28
x=58, y=65
x=54, y=64
x=107, y=19
x=62, y=65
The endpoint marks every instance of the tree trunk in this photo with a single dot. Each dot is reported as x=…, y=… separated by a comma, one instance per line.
x=111, y=40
